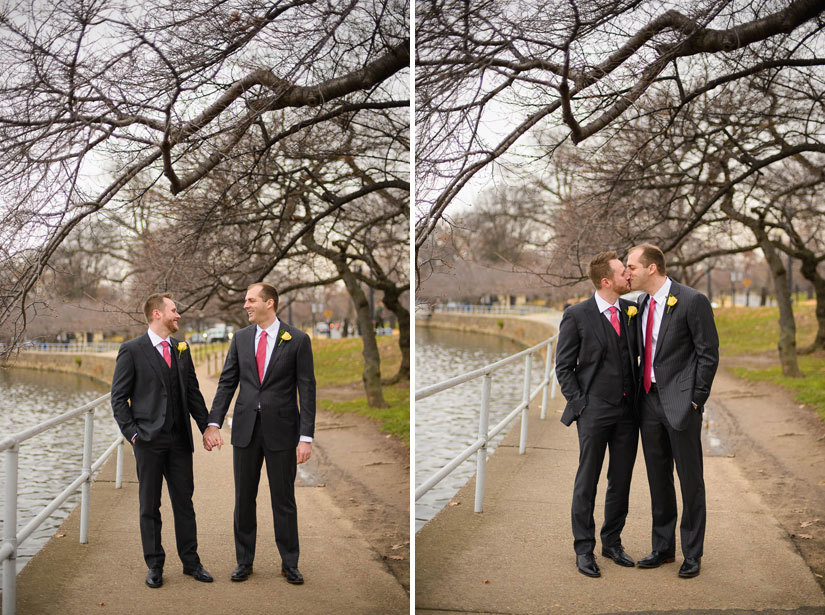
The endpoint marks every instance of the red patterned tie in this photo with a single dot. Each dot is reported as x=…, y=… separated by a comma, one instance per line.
x=166, y=356
x=614, y=320
x=260, y=355
x=649, y=344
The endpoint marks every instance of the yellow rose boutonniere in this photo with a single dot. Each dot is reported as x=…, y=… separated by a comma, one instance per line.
x=181, y=348
x=631, y=311
x=671, y=301
x=285, y=337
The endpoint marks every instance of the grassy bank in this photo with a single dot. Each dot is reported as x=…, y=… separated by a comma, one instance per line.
x=339, y=364
x=754, y=332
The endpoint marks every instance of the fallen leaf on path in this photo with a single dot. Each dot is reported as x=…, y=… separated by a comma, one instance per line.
x=101, y=604
x=60, y=535
x=397, y=557
x=818, y=575
x=804, y=536
x=454, y=504
x=822, y=483
x=321, y=485
x=807, y=523
x=486, y=581
x=401, y=546
x=731, y=455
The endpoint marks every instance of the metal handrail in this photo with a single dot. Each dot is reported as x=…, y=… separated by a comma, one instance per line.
x=71, y=347
x=520, y=310
x=485, y=434
x=12, y=538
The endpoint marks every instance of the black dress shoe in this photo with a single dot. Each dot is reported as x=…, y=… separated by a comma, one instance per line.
x=155, y=577
x=587, y=565
x=199, y=574
x=292, y=575
x=242, y=572
x=655, y=559
x=618, y=555
x=690, y=567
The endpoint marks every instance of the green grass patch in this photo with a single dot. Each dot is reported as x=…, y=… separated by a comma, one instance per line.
x=755, y=331
x=394, y=420
x=341, y=362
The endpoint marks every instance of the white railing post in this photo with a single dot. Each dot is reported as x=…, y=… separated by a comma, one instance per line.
x=528, y=368
x=10, y=532
x=481, y=455
x=555, y=380
x=85, y=489
x=548, y=377
x=119, y=471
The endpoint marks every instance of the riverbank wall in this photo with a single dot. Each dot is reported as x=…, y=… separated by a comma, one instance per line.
x=97, y=366
x=525, y=330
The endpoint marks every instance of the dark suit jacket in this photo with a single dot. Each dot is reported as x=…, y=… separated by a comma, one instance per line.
x=139, y=390
x=581, y=349
x=289, y=375
x=687, y=353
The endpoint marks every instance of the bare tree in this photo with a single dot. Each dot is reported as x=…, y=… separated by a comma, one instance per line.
x=99, y=94
x=490, y=73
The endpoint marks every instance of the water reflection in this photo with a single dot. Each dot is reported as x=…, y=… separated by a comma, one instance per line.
x=447, y=423
x=50, y=461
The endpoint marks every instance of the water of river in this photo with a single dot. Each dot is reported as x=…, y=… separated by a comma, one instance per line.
x=49, y=462
x=447, y=422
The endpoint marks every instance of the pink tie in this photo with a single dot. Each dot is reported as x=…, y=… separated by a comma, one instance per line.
x=614, y=320
x=649, y=345
x=260, y=355
x=166, y=356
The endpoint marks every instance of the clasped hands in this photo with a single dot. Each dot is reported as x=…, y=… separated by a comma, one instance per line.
x=212, y=438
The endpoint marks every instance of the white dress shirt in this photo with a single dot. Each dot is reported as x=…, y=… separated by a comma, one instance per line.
x=604, y=306
x=659, y=311
x=156, y=342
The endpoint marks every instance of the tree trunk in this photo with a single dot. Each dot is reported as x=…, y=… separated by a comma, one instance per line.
x=372, y=358
x=787, y=324
x=810, y=273
x=392, y=303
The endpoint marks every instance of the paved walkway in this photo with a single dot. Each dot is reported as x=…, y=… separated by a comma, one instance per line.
x=517, y=556
x=343, y=573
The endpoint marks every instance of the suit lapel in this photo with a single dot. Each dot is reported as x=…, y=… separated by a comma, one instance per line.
x=148, y=349
x=666, y=317
x=276, y=352
x=640, y=342
x=593, y=316
x=179, y=366
x=246, y=350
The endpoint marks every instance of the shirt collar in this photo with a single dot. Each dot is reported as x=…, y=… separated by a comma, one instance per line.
x=663, y=292
x=157, y=339
x=271, y=330
x=604, y=305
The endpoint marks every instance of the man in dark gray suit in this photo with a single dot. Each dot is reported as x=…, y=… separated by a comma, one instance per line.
x=596, y=362
x=679, y=347
x=272, y=362
x=154, y=392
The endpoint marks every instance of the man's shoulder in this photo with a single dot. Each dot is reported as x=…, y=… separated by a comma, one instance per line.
x=133, y=343
x=684, y=291
x=294, y=331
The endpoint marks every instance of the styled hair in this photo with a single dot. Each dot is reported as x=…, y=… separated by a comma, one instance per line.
x=154, y=302
x=267, y=292
x=600, y=268
x=651, y=254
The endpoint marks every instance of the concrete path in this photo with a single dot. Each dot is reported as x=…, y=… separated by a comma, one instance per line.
x=343, y=573
x=517, y=556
